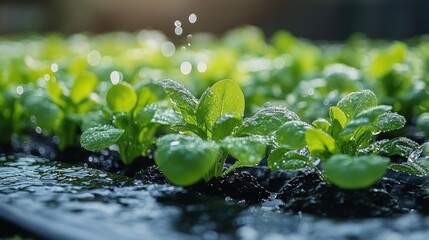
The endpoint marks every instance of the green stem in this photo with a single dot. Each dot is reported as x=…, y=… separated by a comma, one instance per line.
x=221, y=163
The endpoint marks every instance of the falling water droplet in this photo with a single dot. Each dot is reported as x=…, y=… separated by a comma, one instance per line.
x=19, y=90
x=178, y=31
x=186, y=68
x=192, y=18
x=177, y=23
x=54, y=67
x=168, y=49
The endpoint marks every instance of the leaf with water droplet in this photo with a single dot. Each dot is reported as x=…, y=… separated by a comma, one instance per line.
x=225, y=126
x=224, y=97
x=121, y=98
x=389, y=121
x=355, y=172
x=284, y=159
x=320, y=144
x=185, y=160
x=183, y=100
x=292, y=135
x=416, y=168
x=267, y=120
x=356, y=102
x=248, y=151
x=398, y=146
x=145, y=115
x=101, y=137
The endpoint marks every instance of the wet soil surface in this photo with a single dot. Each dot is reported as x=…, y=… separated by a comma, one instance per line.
x=303, y=191
x=55, y=200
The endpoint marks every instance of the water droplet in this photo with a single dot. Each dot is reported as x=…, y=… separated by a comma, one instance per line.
x=38, y=130
x=192, y=18
x=178, y=31
x=115, y=77
x=54, y=67
x=19, y=90
x=168, y=49
x=174, y=143
x=33, y=118
x=201, y=67
x=177, y=23
x=93, y=58
x=186, y=68
x=47, y=77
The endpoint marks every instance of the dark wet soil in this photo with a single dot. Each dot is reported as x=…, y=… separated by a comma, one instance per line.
x=387, y=198
x=302, y=192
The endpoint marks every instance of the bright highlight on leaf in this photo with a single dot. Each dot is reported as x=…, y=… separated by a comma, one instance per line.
x=121, y=98
x=99, y=138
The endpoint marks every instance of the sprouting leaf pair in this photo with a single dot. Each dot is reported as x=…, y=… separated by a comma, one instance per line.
x=213, y=128
x=135, y=117
x=345, y=143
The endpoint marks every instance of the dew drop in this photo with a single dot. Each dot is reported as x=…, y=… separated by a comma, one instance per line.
x=177, y=23
x=168, y=49
x=201, y=67
x=115, y=77
x=186, y=68
x=93, y=58
x=192, y=18
x=38, y=130
x=178, y=31
x=54, y=67
x=174, y=143
x=19, y=90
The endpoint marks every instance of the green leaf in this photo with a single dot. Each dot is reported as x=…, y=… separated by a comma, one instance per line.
x=356, y=102
x=224, y=97
x=56, y=93
x=48, y=115
x=225, y=126
x=144, y=116
x=267, y=120
x=283, y=159
x=185, y=160
x=248, y=151
x=389, y=121
x=167, y=116
x=354, y=172
x=398, y=146
x=82, y=87
x=187, y=128
x=423, y=123
x=417, y=168
x=336, y=113
x=320, y=144
x=145, y=97
x=322, y=124
x=183, y=100
x=292, y=135
x=101, y=137
x=121, y=98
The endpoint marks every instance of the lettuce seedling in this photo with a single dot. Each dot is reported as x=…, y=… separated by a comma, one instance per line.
x=135, y=118
x=212, y=128
x=345, y=142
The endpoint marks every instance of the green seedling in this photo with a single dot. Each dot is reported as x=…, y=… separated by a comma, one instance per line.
x=345, y=143
x=212, y=128
x=135, y=118
x=60, y=107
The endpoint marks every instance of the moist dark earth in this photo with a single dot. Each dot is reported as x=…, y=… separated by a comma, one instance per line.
x=300, y=192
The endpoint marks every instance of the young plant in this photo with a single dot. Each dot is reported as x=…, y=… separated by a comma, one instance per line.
x=212, y=128
x=135, y=118
x=59, y=108
x=345, y=142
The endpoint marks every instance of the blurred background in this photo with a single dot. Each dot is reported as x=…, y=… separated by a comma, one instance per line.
x=313, y=19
